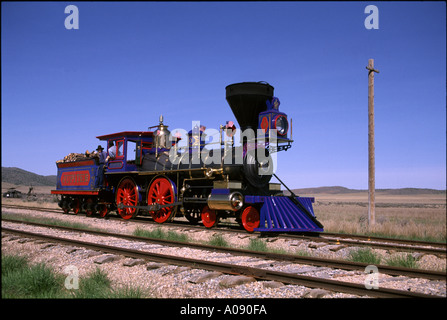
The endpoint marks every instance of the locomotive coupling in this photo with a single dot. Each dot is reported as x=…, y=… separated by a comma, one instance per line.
x=225, y=201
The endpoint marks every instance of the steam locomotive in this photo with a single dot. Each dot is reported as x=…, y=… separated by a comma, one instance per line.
x=152, y=174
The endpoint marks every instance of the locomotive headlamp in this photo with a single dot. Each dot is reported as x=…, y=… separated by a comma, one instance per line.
x=281, y=125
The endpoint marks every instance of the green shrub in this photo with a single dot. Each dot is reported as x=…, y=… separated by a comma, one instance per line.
x=366, y=255
x=160, y=234
x=257, y=245
x=20, y=280
x=407, y=261
x=218, y=240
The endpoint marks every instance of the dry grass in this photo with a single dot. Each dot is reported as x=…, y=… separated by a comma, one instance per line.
x=31, y=203
x=421, y=217
x=43, y=197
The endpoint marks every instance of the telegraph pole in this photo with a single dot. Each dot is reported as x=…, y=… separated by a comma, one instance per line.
x=371, y=149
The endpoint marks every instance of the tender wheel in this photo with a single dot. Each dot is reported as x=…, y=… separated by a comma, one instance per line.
x=103, y=210
x=162, y=192
x=209, y=217
x=250, y=219
x=89, y=207
x=65, y=206
x=76, y=206
x=127, y=194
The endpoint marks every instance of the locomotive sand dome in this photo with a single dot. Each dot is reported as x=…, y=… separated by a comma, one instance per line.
x=152, y=175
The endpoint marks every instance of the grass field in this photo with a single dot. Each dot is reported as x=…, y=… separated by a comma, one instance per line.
x=418, y=217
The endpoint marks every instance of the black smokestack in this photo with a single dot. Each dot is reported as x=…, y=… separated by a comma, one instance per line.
x=247, y=100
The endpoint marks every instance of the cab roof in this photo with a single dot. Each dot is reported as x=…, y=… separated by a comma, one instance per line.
x=128, y=134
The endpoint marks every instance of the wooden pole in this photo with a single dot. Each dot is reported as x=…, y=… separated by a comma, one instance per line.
x=371, y=149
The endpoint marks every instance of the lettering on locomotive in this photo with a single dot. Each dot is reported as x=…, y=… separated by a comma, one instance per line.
x=75, y=178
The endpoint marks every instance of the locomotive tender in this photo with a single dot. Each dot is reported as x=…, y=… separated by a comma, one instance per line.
x=152, y=175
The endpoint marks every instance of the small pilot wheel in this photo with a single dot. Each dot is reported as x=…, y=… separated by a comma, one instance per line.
x=209, y=217
x=250, y=219
x=127, y=194
x=162, y=192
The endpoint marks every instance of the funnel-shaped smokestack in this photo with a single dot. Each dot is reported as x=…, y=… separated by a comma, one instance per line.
x=247, y=100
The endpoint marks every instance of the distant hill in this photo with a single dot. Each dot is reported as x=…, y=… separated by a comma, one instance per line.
x=22, y=177
x=343, y=190
x=326, y=190
x=410, y=191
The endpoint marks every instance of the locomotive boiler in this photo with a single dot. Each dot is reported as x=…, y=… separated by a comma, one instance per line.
x=152, y=174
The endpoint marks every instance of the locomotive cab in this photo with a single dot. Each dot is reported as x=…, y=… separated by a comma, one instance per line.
x=130, y=148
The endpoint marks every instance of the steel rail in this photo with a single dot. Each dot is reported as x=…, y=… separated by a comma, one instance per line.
x=314, y=261
x=375, y=238
x=259, y=274
x=378, y=245
x=13, y=206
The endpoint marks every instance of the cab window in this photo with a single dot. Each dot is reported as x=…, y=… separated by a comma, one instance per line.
x=117, y=150
x=120, y=147
x=131, y=150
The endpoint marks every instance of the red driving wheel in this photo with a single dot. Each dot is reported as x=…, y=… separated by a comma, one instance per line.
x=250, y=218
x=161, y=192
x=127, y=194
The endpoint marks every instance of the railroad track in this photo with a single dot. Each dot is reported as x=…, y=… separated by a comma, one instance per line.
x=436, y=248
x=314, y=261
x=13, y=206
x=329, y=235
x=259, y=274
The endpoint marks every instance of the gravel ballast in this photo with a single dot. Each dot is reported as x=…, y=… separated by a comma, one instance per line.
x=158, y=280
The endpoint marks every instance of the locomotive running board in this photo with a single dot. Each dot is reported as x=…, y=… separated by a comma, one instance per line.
x=281, y=214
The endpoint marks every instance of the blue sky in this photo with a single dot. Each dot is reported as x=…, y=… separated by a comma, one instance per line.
x=129, y=62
